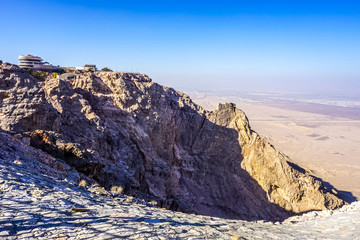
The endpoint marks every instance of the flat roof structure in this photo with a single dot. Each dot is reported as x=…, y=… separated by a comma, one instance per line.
x=90, y=67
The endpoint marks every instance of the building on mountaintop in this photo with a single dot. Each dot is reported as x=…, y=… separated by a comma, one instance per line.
x=90, y=67
x=35, y=63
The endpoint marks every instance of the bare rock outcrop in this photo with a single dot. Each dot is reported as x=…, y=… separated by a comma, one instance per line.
x=284, y=183
x=122, y=129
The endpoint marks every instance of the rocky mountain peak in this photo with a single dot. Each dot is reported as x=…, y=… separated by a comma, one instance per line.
x=123, y=130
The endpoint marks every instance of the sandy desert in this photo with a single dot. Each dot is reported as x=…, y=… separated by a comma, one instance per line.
x=322, y=138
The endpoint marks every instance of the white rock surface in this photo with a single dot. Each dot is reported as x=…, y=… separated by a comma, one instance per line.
x=35, y=206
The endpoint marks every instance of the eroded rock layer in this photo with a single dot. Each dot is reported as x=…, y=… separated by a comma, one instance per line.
x=122, y=129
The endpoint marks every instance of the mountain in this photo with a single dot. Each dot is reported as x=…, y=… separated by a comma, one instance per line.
x=125, y=132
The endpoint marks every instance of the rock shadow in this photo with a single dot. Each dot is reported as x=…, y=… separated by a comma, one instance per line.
x=344, y=195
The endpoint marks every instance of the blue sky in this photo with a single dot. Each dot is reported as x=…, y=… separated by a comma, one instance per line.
x=196, y=45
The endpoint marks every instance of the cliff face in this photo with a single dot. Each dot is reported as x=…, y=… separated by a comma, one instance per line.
x=124, y=130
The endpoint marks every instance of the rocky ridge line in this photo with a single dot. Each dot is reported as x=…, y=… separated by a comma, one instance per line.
x=122, y=130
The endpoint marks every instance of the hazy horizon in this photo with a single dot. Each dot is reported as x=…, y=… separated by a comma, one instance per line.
x=300, y=46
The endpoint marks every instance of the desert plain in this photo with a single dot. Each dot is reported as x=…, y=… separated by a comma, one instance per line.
x=321, y=138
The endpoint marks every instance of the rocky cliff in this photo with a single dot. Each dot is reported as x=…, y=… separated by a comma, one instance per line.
x=128, y=133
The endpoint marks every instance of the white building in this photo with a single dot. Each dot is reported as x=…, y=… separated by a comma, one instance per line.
x=34, y=62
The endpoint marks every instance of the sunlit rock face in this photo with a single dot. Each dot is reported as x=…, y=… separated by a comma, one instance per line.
x=122, y=129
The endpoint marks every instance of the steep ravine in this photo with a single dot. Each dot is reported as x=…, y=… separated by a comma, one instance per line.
x=122, y=129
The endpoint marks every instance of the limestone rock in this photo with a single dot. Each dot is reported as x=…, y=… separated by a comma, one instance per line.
x=284, y=183
x=122, y=129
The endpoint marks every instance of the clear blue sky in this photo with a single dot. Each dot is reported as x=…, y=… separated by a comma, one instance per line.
x=246, y=45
